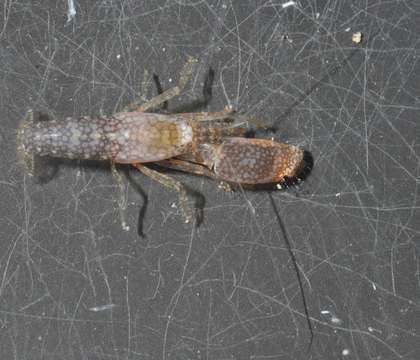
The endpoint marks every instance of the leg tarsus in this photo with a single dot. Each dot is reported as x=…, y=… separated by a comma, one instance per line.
x=172, y=184
x=122, y=201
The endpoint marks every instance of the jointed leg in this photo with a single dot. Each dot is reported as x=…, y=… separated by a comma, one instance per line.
x=186, y=166
x=193, y=168
x=167, y=94
x=210, y=116
x=171, y=184
x=234, y=124
x=122, y=201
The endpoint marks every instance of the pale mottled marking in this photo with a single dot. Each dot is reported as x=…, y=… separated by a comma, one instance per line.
x=256, y=161
x=125, y=137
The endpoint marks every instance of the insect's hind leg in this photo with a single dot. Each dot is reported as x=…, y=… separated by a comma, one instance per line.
x=172, y=184
x=122, y=201
x=186, y=73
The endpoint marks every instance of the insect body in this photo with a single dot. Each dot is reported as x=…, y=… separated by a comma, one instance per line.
x=210, y=144
x=126, y=137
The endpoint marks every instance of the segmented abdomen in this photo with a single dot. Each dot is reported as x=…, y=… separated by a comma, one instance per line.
x=124, y=137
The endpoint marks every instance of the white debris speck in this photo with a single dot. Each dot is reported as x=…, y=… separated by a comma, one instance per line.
x=119, y=56
x=374, y=286
x=71, y=12
x=357, y=37
x=279, y=187
x=170, y=80
x=338, y=194
x=317, y=15
x=347, y=30
x=345, y=352
x=372, y=329
x=287, y=4
x=124, y=226
x=336, y=320
x=333, y=318
x=163, y=49
x=102, y=307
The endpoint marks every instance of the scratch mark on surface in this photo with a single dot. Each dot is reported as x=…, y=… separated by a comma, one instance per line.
x=102, y=307
x=288, y=4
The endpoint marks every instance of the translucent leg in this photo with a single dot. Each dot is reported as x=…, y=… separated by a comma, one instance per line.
x=193, y=168
x=210, y=116
x=122, y=201
x=231, y=123
x=167, y=94
x=171, y=184
x=186, y=166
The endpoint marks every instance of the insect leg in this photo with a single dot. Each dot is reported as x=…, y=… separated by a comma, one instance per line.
x=194, y=168
x=211, y=116
x=186, y=166
x=170, y=183
x=228, y=121
x=186, y=73
x=122, y=201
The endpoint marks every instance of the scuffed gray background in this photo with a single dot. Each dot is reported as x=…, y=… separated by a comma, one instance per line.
x=228, y=290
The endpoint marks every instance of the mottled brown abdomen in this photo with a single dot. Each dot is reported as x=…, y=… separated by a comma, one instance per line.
x=125, y=137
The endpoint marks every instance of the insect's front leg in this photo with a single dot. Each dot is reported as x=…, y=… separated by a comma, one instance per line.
x=226, y=114
x=194, y=168
x=187, y=166
x=172, y=184
x=186, y=73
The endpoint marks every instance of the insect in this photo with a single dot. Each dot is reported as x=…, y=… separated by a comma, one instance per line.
x=212, y=144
